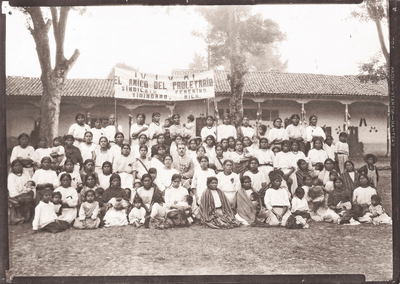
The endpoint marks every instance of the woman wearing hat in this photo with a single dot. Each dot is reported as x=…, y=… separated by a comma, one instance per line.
x=370, y=170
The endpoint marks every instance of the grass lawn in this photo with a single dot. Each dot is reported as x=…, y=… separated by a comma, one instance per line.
x=322, y=249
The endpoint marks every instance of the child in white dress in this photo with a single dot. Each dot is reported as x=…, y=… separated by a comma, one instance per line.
x=116, y=214
x=378, y=214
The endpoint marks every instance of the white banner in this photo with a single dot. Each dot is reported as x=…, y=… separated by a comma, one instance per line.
x=144, y=86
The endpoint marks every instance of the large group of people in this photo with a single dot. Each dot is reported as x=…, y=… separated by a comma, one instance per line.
x=169, y=177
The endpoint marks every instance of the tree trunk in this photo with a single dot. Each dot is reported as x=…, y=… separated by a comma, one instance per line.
x=53, y=81
x=50, y=107
x=238, y=69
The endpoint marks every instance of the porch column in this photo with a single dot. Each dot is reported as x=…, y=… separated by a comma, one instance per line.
x=346, y=118
x=171, y=109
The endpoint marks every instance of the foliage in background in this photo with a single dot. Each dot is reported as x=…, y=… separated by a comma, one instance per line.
x=376, y=11
x=258, y=38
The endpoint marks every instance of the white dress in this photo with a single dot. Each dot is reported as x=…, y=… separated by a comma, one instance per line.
x=70, y=196
x=225, y=131
x=87, y=150
x=97, y=133
x=78, y=132
x=199, y=181
x=116, y=218
x=228, y=184
x=124, y=166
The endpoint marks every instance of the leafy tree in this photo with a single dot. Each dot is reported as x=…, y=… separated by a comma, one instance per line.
x=376, y=11
x=120, y=65
x=199, y=62
x=233, y=34
x=257, y=35
x=53, y=80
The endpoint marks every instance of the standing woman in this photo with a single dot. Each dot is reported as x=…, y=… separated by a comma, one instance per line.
x=228, y=181
x=209, y=129
x=296, y=132
x=138, y=128
x=88, y=147
x=155, y=129
x=20, y=196
x=98, y=131
x=176, y=128
x=215, y=208
x=102, y=154
x=277, y=134
x=78, y=129
x=313, y=132
x=69, y=199
x=116, y=149
x=125, y=166
x=23, y=152
x=350, y=177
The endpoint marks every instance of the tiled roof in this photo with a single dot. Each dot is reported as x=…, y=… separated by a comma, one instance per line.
x=256, y=83
x=302, y=84
x=95, y=88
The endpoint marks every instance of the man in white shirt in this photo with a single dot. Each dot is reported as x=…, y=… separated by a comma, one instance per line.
x=112, y=128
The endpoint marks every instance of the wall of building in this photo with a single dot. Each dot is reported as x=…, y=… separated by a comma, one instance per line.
x=22, y=112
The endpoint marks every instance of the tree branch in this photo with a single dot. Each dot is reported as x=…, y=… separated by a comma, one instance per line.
x=60, y=37
x=72, y=60
x=382, y=41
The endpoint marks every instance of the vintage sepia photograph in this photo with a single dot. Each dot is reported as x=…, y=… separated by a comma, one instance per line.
x=199, y=140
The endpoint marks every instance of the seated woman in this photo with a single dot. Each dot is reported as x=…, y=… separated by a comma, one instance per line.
x=23, y=152
x=362, y=196
x=114, y=189
x=317, y=155
x=160, y=141
x=229, y=182
x=20, y=194
x=240, y=158
x=350, y=177
x=301, y=172
x=247, y=211
x=152, y=201
x=277, y=202
x=69, y=199
x=177, y=213
x=215, y=209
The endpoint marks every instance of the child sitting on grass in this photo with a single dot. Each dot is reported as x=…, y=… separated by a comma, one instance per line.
x=378, y=214
x=45, y=216
x=317, y=194
x=116, y=214
x=137, y=216
x=88, y=213
x=300, y=204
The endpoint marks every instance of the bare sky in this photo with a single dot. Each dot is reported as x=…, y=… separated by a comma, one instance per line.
x=320, y=39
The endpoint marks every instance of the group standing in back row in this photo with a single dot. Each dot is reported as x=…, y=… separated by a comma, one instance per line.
x=169, y=177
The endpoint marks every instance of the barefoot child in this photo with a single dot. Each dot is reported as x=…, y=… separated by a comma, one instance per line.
x=137, y=216
x=342, y=151
x=300, y=204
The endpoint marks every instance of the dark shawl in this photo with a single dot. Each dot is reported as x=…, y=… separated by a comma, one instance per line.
x=74, y=154
x=244, y=207
x=300, y=175
x=208, y=215
x=349, y=184
x=111, y=193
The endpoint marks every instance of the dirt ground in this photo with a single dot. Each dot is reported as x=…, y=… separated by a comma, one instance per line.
x=322, y=249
